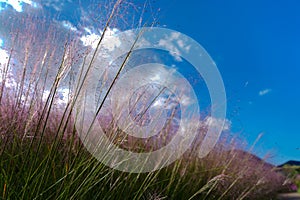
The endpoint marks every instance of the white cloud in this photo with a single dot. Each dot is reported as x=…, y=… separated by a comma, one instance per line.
x=46, y=93
x=217, y=123
x=110, y=32
x=110, y=41
x=3, y=59
x=89, y=31
x=69, y=25
x=63, y=96
x=57, y=5
x=160, y=102
x=168, y=44
x=175, y=45
x=264, y=92
x=15, y=4
x=185, y=100
x=10, y=82
x=18, y=4
x=90, y=40
x=29, y=2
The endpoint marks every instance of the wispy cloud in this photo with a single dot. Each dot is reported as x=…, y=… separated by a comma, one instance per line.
x=264, y=92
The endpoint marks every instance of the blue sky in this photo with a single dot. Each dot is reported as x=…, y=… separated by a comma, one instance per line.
x=256, y=46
